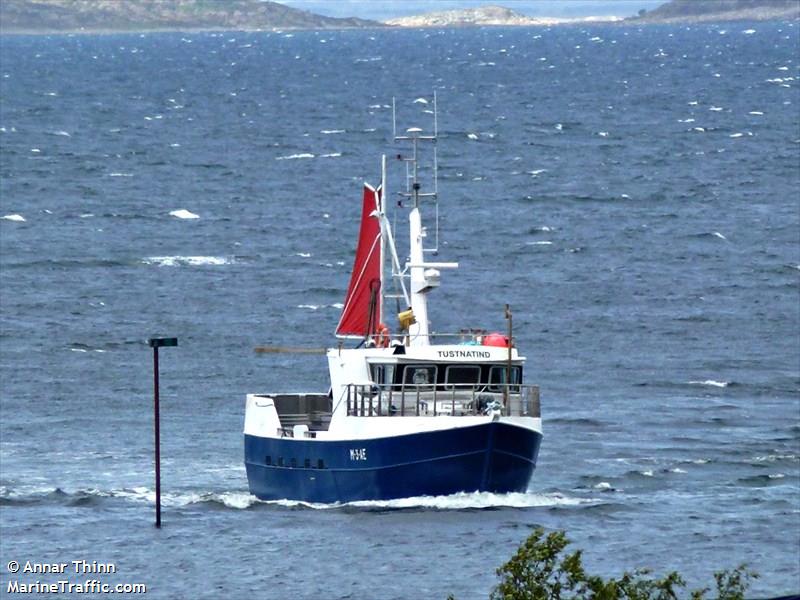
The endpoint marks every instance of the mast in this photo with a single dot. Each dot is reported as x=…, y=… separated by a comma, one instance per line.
x=381, y=203
x=424, y=276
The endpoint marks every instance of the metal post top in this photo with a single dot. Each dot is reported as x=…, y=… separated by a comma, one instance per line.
x=159, y=342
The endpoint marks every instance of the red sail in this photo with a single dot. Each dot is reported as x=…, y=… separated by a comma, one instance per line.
x=362, y=306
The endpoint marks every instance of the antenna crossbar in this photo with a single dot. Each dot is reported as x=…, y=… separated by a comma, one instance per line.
x=417, y=194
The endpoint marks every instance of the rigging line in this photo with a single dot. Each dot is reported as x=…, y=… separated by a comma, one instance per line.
x=373, y=298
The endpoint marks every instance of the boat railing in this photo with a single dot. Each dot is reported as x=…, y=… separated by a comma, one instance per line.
x=466, y=337
x=407, y=400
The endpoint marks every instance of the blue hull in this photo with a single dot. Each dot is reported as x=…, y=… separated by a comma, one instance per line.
x=493, y=457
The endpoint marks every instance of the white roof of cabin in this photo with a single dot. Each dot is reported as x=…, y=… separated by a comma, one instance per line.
x=448, y=353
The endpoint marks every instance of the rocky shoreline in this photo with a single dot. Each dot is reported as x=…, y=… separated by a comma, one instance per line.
x=47, y=17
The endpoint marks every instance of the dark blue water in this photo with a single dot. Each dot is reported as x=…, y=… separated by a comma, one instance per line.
x=631, y=192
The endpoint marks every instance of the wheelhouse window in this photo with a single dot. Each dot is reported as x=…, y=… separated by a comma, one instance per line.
x=419, y=375
x=461, y=376
x=498, y=378
x=382, y=374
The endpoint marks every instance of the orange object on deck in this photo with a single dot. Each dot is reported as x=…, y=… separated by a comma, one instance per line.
x=495, y=339
x=382, y=336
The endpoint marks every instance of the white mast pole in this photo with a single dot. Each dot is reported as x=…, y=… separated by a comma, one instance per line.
x=418, y=332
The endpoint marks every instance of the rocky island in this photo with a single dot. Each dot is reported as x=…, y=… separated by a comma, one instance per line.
x=674, y=11
x=64, y=16
x=482, y=16
x=695, y=11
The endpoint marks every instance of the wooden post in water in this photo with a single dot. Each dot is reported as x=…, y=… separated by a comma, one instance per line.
x=155, y=344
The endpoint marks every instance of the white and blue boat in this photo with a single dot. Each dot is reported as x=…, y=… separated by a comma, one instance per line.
x=410, y=413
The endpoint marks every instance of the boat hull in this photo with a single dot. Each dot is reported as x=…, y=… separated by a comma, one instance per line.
x=491, y=457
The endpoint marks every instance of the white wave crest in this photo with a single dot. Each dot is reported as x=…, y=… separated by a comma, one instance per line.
x=774, y=457
x=23, y=491
x=182, y=213
x=294, y=156
x=464, y=500
x=191, y=261
x=711, y=382
x=238, y=500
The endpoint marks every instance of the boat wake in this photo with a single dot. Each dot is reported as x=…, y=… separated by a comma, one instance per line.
x=242, y=500
x=459, y=501
x=478, y=500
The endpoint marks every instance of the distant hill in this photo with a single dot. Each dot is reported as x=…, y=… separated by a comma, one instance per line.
x=484, y=15
x=683, y=11
x=42, y=16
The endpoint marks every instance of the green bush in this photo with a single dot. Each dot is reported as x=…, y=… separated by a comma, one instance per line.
x=538, y=571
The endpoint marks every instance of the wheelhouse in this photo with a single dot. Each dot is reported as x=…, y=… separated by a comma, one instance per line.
x=409, y=386
x=492, y=376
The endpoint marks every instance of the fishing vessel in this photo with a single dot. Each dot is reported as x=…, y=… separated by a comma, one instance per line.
x=410, y=412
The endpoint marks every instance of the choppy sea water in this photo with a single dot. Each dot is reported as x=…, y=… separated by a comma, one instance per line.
x=631, y=192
